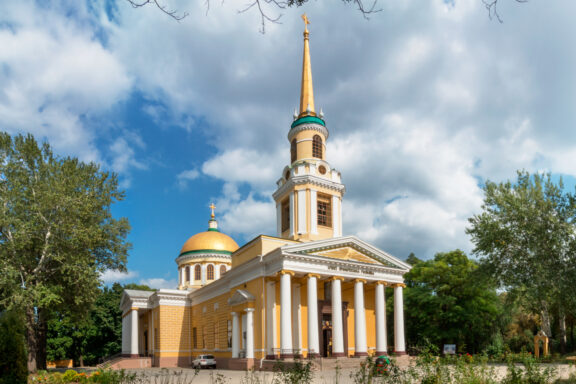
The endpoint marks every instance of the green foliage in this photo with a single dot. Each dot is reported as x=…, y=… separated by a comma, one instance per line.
x=525, y=237
x=57, y=234
x=530, y=373
x=293, y=373
x=12, y=349
x=452, y=301
x=98, y=336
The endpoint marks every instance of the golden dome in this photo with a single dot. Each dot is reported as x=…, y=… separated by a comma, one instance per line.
x=211, y=240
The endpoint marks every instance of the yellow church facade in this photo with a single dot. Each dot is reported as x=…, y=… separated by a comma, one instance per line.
x=307, y=292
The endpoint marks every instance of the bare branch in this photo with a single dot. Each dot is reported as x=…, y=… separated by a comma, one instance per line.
x=492, y=7
x=173, y=14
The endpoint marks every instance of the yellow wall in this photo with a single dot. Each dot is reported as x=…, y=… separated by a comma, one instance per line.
x=259, y=246
x=304, y=144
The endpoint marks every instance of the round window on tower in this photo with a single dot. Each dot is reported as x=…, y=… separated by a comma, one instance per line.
x=322, y=170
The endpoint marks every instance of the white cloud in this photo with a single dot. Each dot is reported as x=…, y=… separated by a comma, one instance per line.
x=159, y=283
x=185, y=176
x=112, y=276
x=56, y=76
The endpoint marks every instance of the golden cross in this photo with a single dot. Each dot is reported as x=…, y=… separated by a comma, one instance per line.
x=212, y=207
x=306, y=22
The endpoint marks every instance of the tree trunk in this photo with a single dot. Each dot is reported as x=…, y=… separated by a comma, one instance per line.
x=31, y=339
x=562, y=329
x=41, y=337
x=546, y=326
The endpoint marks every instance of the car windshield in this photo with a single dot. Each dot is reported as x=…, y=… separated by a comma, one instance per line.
x=208, y=357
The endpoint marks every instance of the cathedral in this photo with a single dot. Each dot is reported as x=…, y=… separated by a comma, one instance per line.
x=307, y=292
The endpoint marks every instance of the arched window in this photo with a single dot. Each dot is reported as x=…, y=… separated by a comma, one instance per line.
x=187, y=274
x=222, y=270
x=197, y=272
x=210, y=272
x=317, y=146
x=293, y=151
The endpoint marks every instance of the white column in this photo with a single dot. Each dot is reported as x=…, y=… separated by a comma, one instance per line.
x=270, y=318
x=296, y=318
x=285, y=316
x=399, y=346
x=313, y=338
x=249, y=333
x=203, y=273
x=302, y=211
x=336, y=222
x=292, y=215
x=381, y=342
x=134, y=332
x=313, y=212
x=337, y=328
x=359, y=319
x=235, y=336
x=279, y=219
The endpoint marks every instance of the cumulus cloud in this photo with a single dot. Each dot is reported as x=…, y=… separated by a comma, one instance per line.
x=159, y=283
x=58, y=78
x=113, y=276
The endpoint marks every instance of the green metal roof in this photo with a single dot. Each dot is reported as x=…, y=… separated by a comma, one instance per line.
x=308, y=119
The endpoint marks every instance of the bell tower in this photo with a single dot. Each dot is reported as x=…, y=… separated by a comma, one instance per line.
x=309, y=195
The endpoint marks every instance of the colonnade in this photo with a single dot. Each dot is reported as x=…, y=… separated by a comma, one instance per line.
x=360, y=347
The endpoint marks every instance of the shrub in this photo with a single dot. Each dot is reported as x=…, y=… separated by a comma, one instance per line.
x=13, y=369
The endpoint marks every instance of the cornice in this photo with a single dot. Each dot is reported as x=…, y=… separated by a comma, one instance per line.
x=195, y=256
x=331, y=262
x=309, y=179
x=308, y=127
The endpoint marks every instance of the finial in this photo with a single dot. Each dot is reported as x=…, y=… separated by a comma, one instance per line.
x=212, y=207
x=212, y=223
x=306, y=22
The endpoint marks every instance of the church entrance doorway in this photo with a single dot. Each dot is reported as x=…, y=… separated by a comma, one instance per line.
x=325, y=326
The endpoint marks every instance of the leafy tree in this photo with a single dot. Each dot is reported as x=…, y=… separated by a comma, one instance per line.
x=12, y=349
x=98, y=336
x=452, y=302
x=57, y=235
x=525, y=236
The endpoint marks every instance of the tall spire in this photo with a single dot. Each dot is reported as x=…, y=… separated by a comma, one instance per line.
x=307, y=92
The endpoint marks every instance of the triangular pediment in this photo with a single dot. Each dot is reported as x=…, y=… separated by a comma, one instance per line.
x=348, y=248
x=347, y=253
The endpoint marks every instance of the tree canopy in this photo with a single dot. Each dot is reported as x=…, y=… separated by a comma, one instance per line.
x=57, y=235
x=451, y=302
x=526, y=236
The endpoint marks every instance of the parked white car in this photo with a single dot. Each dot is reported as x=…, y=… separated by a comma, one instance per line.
x=204, y=361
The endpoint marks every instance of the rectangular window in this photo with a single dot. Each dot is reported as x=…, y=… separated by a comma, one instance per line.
x=324, y=212
x=285, y=215
x=194, y=338
x=229, y=334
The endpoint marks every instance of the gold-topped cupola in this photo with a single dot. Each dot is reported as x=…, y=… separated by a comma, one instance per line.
x=309, y=194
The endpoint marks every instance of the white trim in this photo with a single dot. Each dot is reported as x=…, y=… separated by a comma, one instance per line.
x=292, y=214
x=336, y=216
x=308, y=127
x=313, y=212
x=301, y=211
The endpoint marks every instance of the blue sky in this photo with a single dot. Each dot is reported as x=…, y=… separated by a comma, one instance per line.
x=422, y=100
